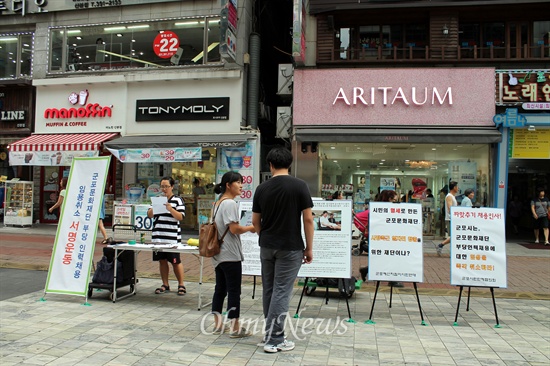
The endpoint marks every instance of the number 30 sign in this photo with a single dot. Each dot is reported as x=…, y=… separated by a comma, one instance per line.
x=166, y=44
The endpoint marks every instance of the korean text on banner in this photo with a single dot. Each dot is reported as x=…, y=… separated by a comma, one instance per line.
x=478, y=247
x=76, y=233
x=395, y=242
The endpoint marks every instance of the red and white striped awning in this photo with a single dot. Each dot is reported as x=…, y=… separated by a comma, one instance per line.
x=62, y=142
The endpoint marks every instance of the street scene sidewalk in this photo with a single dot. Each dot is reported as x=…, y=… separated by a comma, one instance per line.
x=149, y=329
x=528, y=269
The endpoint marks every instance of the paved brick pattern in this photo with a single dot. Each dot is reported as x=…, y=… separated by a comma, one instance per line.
x=528, y=274
x=149, y=329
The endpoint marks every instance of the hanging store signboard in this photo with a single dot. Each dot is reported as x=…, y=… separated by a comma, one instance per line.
x=25, y=7
x=188, y=109
x=157, y=155
x=529, y=88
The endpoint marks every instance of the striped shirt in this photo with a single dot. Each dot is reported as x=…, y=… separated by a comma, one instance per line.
x=165, y=227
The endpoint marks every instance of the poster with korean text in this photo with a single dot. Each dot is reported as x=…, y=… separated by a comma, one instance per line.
x=76, y=233
x=331, y=242
x=395, y=242
x=478, y=247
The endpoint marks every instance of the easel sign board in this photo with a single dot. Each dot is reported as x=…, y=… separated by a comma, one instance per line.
x=395, y=242
x=251, y=250
x=478, y=247
x=331, y=248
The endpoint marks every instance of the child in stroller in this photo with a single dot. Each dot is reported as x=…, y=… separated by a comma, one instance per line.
x=361, y=221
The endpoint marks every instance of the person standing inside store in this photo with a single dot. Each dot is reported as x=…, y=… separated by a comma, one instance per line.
x=62, y=191
x=280, y=205
x=540, y=208
x=166, y=229
x=228, y=263
x=468, y=197
x=450, y=200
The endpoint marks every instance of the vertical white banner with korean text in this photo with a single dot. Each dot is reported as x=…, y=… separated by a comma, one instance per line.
x=76, y=233
x=478, y=247
x=395, y=242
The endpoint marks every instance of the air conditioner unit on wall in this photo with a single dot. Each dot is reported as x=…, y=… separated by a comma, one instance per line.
x=285, y=79
x=284, y=122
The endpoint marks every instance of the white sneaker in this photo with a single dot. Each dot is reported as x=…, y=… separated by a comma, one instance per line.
x=536, y=241
x=282, y=347
x=263, y=342
x=439, y=249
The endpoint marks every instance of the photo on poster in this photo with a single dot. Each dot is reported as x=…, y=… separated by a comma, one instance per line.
x=327, y=220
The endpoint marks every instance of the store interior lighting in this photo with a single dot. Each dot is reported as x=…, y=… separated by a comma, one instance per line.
x=420, y=163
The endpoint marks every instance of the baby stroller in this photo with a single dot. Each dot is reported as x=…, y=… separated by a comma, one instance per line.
x=363, y=246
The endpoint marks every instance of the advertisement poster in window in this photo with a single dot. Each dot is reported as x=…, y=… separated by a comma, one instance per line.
x=239, y=159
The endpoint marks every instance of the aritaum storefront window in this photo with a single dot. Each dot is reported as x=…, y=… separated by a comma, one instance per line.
x=147, y=44
x=16, y=55
x=361, y=169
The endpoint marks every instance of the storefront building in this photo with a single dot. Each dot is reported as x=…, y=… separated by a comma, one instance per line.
x=170, y=75
x=366, y=130
x=16, y=122
x=523, y=115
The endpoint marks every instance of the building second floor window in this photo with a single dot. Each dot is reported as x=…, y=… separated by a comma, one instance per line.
x=16, y=55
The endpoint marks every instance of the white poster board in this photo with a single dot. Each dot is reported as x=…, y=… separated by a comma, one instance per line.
x=395, y=242
x=123, y=214
x=249, y=241
x=331, y=247
x=478, y=247
x=74, y=244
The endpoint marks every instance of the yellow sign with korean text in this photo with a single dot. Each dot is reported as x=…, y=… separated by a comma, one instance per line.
x=531, y=144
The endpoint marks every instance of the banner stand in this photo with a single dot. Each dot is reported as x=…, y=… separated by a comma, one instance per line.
x=468, y=303
x=304, y=289
x=391, y=296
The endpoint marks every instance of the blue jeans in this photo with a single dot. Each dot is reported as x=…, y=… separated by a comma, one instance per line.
x=279, y=271
x=228, y=282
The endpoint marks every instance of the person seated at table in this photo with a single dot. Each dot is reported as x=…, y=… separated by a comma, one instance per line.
x=166, y=229
x=326, y=224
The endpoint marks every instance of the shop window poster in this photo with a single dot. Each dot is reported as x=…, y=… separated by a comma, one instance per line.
x=464, y=173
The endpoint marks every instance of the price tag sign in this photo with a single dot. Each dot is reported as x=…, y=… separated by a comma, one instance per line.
x=166, y=44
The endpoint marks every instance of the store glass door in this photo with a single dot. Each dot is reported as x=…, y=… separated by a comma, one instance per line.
x=50, y=178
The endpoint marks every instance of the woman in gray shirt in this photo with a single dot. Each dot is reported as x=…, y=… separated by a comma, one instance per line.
x=228, y=263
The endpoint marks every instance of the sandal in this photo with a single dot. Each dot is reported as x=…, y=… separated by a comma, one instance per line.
x=181, y=290
x=162, y=289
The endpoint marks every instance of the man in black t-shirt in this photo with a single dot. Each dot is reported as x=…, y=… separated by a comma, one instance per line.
x=279, y=207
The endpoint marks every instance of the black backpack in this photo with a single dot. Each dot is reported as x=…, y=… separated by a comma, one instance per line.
x=105, y=272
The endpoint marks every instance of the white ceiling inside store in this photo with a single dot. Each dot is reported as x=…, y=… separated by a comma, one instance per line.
x=389, y=158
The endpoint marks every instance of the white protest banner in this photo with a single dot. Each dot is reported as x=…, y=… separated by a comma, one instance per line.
x=331, y=242
x=478, y=247
x=76, y=233
x=251, y=250
x=331, y=246
x=395, y=242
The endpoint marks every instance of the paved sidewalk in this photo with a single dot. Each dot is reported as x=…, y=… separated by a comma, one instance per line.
x=528, y=269
x=149, y=329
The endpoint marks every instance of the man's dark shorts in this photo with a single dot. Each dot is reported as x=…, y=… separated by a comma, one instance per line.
x=541, y=223
x=173, y=258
